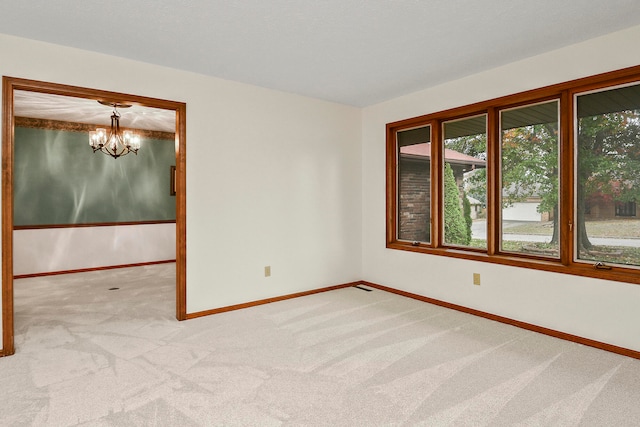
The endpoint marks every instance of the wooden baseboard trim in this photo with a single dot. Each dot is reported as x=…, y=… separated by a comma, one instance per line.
x=524, y=325
x=268, y=300
x=93, y=224
x=517, y=323
x=84, y=270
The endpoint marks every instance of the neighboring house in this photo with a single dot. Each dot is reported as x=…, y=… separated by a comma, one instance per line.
x=477, y=208
x=460, y=163
x=527, y=208
x=603, y=205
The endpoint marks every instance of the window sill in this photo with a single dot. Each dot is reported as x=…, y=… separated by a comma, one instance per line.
x=616, y=273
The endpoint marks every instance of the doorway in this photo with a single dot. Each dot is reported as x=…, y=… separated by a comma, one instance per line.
x=9, y=86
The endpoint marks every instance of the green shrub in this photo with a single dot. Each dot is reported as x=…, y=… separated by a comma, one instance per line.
x=455, y=228
x=466, y=210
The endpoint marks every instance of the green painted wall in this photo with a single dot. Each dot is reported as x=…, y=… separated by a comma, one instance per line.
x=59, y=180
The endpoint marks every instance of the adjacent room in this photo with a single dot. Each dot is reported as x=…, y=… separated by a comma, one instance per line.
x=75, y=208
x=355, y=213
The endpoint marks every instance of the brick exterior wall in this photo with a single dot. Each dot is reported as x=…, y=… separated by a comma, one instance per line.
x=600, y=210
x=414, y=204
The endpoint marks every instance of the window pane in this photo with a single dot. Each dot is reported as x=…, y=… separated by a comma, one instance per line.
x=465, y=182
x=529, y=170
x=608, y=176
x=414, y=185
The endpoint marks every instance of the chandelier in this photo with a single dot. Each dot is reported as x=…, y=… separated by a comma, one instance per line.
x=115, y=143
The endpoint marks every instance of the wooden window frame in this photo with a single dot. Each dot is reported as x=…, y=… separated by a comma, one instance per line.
x=567, y=262
x=497, y=189
x=440, y=183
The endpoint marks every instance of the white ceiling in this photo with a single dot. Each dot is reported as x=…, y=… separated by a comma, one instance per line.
x=80, y=110
x=356, y=52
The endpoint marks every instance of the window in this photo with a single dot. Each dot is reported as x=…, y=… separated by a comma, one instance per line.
x=626, y=209
x=608, y=175
x=414, y=189
x=546, y=179
x=464, y=180
x=529, y=148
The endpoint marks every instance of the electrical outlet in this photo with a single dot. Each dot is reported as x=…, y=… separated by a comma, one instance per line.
x=267, y=271
x=476, y=279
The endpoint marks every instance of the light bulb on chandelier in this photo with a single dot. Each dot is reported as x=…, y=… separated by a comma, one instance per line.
x=115, y=143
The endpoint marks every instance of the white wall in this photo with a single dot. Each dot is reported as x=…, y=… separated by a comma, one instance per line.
x=272, y=178
x=62, y=249
x=595, y=309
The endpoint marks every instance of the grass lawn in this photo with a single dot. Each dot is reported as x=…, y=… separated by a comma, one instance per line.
x=614, y=228
x=617, y=229
x=612, y=254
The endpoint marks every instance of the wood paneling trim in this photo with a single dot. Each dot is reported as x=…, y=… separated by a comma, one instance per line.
x=494, y=182
x=268, y=300
x=181, y=212
x=88, y=93
x=92, y=224
x=84, y=270
x=437, y=183
x=392, y=185
x=28, y=122
x=7, y=217
x=524, y=325
x=566, y=181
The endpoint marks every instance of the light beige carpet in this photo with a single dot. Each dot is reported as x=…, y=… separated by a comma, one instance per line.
x=90, y=356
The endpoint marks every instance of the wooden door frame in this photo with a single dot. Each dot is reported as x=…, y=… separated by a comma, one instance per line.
x=11, y=84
